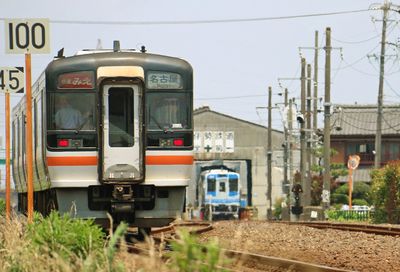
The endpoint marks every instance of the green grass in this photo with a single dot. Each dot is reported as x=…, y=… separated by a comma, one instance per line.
x=61, y=243
x=188, y=255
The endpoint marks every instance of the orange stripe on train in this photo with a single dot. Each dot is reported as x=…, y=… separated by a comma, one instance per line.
x=169, y=160
x=72, y=161
x=92, y=160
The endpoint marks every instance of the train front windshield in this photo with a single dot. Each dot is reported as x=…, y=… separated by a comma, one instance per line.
x=167, y=111
x=71, y=119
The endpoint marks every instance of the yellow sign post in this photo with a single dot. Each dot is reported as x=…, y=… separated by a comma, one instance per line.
x=352, y=164
x=8, y=190
x=27, y=36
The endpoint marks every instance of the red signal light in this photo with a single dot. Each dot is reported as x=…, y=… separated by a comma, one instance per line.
x=63, y=143
x=178, y=142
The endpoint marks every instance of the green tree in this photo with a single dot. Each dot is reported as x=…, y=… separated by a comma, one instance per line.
x=385, y=192
x=337, y=169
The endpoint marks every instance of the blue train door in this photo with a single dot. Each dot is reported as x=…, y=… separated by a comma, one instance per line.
x=122, y=150
x=222, y=186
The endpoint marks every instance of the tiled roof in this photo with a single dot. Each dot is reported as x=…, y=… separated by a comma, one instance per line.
x=361, y=120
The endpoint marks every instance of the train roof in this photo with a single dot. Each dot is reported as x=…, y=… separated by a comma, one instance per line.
x=91, y=59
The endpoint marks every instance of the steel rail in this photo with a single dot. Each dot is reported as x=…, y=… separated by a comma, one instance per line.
x=372, y=229
x=260, y=261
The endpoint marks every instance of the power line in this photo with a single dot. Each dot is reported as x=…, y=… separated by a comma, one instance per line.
x=231, y=97
x=215, y=21
x=356, y=42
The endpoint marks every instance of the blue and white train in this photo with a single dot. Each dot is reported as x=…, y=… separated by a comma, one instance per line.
x=219, y=194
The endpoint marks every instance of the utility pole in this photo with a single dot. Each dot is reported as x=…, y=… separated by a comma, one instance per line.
x=303, y=156
x=269, y=153
x=315, y=100
x=286, y=150
x=307, y=185
x=378, y=137
x=327, y=120
x=290, y=129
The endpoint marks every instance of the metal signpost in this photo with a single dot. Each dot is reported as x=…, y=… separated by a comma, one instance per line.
x=352, y=164
x=25, y=36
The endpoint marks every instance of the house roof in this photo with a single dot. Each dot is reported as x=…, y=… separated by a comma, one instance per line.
x=361, y=120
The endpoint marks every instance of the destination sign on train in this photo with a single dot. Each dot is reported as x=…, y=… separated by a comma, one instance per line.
x=164, y=80
x=78, y=80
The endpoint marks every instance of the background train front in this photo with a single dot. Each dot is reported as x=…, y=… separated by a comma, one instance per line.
x=131, y=155
x=219, y=194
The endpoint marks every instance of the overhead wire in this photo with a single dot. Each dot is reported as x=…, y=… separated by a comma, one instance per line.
x=355, y=42
x=211, y=21
x=231, y=97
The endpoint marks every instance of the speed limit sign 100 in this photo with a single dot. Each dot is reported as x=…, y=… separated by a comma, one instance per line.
x=27, y=36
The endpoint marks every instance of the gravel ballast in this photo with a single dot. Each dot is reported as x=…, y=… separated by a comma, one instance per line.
x=347, y=250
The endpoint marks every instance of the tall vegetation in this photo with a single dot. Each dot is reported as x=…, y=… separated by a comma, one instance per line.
x=385, y=193
x=62, y=243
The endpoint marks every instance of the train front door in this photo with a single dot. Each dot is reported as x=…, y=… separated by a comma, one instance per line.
x=122, y=148
x=222, y=182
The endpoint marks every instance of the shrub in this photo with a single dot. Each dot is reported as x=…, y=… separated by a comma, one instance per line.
x=384, y=192
x=2, y=207
x=64, y=236
x=278, y=207
x=359, y=202
x=338, y=198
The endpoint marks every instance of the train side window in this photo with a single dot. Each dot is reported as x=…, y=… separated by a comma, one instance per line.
x=35, y=135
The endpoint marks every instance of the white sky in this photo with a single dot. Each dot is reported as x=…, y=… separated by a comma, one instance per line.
x=235, y=62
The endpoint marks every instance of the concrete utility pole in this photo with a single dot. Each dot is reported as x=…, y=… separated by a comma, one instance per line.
x=286, y=151
x=315, y=100
x=269, y=154
x=303, y=156
x=290, y=129
x=307, y=187
x=378, y=137
x=327, y=120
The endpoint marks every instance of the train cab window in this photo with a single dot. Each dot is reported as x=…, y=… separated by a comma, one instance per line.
x=233, y=184
x=71, y=120
x=168, y=111
x=211, y=184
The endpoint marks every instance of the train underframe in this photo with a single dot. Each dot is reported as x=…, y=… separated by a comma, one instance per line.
x=142, y=206
x=221, y=211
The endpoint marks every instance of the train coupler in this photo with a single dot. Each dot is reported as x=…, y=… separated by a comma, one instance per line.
x=122, y=192
x=127, y=206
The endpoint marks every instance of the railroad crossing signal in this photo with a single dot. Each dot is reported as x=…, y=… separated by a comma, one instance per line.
x=12, y=79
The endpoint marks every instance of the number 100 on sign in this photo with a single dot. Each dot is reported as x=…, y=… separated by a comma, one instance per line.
x=27, y=36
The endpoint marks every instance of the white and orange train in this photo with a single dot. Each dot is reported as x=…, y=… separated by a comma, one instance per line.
x=112, y=133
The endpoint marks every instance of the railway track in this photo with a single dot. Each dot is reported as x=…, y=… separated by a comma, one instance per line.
x=372, y=229
x=244, y=261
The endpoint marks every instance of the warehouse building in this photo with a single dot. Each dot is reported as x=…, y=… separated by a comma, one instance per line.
x=240, y=145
